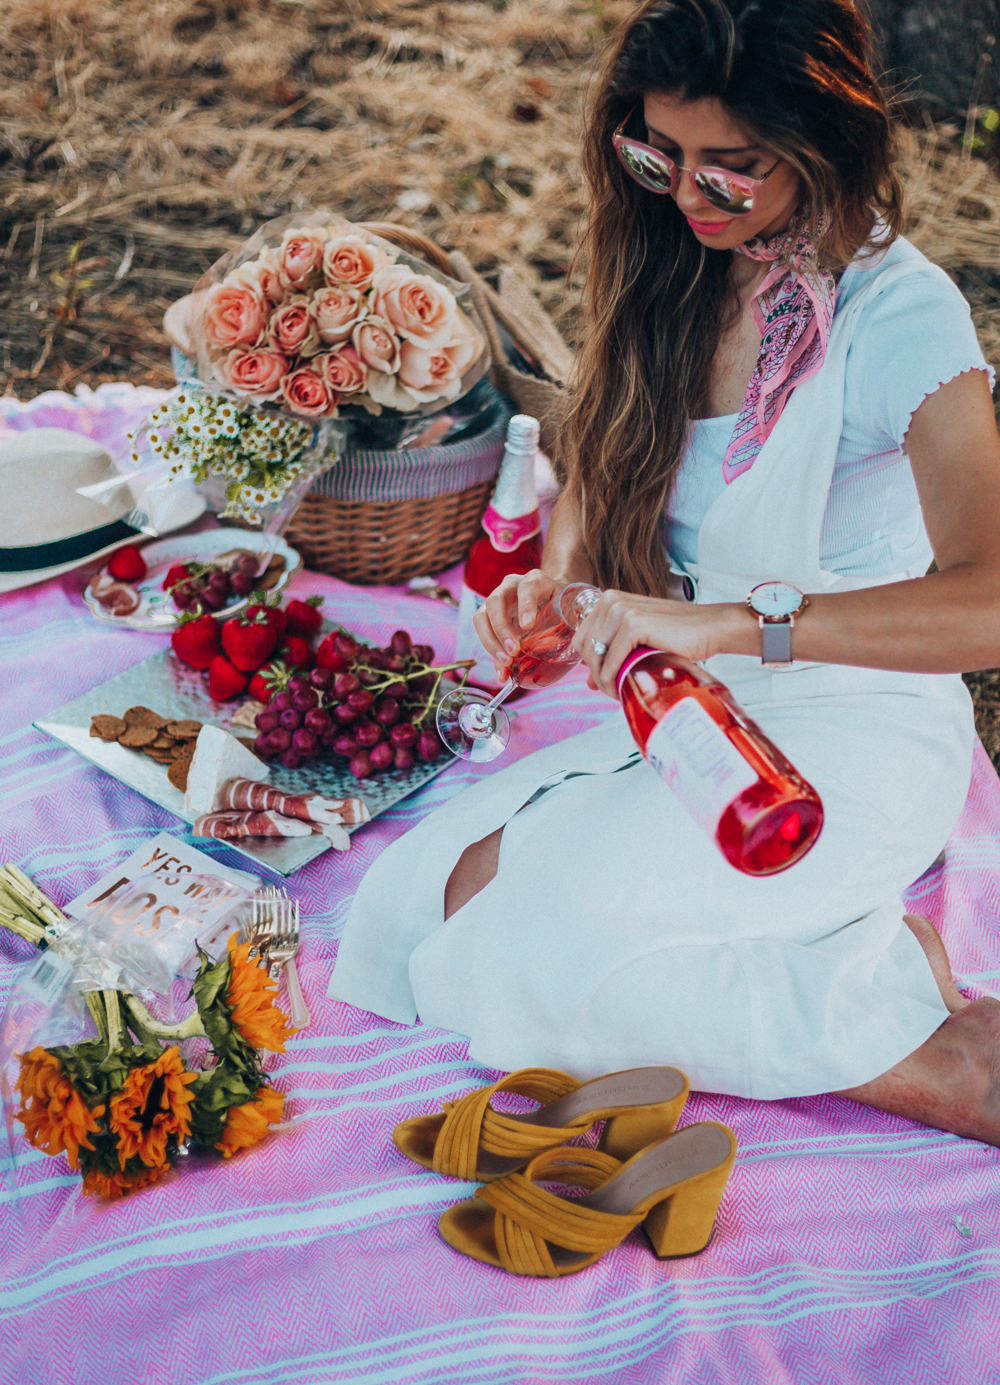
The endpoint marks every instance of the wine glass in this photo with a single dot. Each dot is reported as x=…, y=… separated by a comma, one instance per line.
x=474, y=725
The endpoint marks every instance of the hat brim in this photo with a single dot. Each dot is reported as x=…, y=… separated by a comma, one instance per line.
x=14, y=581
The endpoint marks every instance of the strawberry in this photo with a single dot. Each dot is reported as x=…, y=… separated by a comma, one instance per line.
x=128, y=564
x=195, y=639
x=328, y=656
x=297, y=651
x=304, y=618
x=249, y=639
x=177, y=573
x=224, y=681
x=271, y=609
x=267, y=681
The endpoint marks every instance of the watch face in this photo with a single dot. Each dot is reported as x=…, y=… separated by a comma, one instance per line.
x=775, y=599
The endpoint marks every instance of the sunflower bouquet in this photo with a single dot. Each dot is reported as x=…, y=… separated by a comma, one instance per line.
x=124, y=1104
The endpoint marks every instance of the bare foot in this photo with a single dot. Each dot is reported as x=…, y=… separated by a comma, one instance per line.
x=930, y=940
x=952, y=1081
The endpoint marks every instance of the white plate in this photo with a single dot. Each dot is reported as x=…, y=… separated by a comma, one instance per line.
x=156, y=612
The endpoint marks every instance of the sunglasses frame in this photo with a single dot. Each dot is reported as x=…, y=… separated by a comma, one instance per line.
x=747, y=185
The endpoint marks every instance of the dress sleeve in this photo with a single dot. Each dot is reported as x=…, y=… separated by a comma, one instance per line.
x=912, y=339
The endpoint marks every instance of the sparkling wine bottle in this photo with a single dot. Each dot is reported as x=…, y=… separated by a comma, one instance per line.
x=511, y=543
x=731, y=778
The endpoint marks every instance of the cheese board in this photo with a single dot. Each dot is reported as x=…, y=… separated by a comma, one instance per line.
x=175, y=691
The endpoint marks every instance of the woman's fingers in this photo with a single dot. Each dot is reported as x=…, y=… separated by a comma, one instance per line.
x=510, y=610
x=529, y=598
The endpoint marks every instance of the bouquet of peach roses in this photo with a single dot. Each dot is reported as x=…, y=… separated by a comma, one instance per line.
x=313, y=314
x=311, y=322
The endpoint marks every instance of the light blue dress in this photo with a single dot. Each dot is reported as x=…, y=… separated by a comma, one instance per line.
x=615, y=934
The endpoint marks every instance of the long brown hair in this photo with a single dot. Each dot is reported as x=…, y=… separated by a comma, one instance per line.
x=800, y=73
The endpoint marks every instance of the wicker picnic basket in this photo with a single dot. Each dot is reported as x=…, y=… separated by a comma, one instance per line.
x=381, y=517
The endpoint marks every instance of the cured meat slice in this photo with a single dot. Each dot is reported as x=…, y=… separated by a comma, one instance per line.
x=232, y=826
x=245, y=794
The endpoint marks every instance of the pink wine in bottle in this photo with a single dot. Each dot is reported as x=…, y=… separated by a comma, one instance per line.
x=731, y=778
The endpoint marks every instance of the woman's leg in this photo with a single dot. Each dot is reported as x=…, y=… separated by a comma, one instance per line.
x=953, y=1080
x=476, y=867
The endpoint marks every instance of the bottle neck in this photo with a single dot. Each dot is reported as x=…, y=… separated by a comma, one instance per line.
x=576, y=601
x=512, y=514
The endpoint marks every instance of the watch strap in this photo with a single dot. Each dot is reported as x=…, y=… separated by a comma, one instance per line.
x=776, y=641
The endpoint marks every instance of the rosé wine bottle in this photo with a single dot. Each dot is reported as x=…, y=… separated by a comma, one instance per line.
x=733, y=780
x=511, y=544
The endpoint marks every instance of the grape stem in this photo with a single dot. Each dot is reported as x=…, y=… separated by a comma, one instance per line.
x=418, y=671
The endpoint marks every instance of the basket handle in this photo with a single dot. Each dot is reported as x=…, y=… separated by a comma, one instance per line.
x=413, y=241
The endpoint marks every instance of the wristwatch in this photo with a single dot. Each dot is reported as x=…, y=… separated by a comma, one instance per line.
x=776, y=604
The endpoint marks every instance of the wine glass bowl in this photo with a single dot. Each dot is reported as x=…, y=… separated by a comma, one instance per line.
x=473, y=725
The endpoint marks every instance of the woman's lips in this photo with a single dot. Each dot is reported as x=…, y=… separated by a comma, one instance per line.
x=708, y=228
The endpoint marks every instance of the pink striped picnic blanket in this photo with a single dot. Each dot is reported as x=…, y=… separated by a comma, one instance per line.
x=851, y=1246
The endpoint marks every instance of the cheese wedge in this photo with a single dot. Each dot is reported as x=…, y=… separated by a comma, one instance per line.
x=218, y=757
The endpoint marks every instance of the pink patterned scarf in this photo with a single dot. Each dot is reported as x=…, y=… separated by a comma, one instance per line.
x=793, y=309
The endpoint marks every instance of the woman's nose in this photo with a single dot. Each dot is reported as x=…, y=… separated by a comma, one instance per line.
x=687, y=196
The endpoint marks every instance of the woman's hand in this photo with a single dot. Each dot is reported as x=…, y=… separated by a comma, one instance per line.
x=509, y=611
x=621, y=622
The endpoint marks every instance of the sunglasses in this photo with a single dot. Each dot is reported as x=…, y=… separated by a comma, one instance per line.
x=730, y=192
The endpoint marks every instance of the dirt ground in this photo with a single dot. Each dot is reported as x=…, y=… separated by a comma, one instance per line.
x=140, y=139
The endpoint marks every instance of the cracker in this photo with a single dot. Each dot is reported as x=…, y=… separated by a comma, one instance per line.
x=144, y=716
x=183, y=730
x=105, y=727
x=178, y=774
x=164, y=742
x=136, y=736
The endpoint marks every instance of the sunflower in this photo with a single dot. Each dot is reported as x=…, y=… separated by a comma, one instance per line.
x=247, y=1124
x=250, y=997
x=115, y=1185
x=153, y=1105
x=54, y=1114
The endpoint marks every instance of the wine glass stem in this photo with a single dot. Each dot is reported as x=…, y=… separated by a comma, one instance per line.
x=501, y=696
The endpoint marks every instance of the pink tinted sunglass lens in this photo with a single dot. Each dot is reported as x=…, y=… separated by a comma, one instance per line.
x=654, y=171
x=728, y=193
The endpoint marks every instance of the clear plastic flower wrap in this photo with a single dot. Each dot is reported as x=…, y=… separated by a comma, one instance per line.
x=137, y=1034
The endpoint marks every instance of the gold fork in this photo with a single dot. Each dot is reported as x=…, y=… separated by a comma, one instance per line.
x=281, y=951
x=258, y=922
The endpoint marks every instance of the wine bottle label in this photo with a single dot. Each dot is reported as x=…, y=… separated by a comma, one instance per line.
x=693, y=755
x=468, y=645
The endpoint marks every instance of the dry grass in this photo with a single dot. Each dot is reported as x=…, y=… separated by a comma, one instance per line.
x=159, y=132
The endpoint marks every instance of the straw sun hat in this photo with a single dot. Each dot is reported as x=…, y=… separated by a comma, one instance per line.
x=46, y=528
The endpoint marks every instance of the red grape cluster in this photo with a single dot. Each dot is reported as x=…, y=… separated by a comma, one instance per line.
x=212, y=585
x=372, y=706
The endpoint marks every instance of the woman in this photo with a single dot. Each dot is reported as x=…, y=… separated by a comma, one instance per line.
x=774, y=386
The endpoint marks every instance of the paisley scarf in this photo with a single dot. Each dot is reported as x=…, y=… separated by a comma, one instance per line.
x=793, y=309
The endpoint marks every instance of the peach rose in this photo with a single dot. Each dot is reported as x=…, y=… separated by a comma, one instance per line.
x=264, y=272
x=343, y=370
x=255, y=372
x=352, y=260
x=293, y=329
x=301, y=255
x=437, y=374
x=235, y=315
x=337, y=311
x=376, y=344
x=307, y=393
x=416, y=306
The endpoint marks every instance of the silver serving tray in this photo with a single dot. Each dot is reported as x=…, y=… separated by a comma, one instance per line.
x=174, y=690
